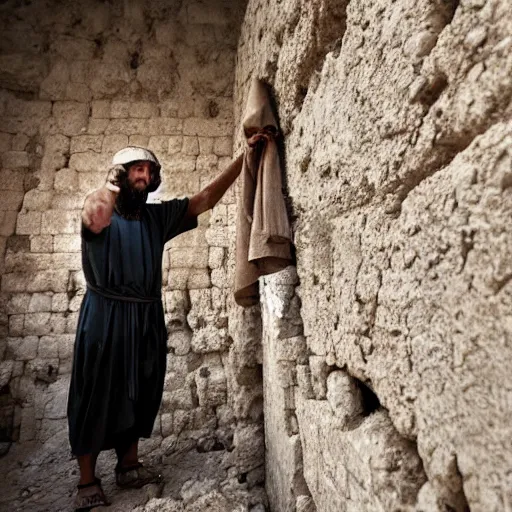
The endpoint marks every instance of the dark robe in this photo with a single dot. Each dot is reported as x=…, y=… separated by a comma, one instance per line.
x=121, y=345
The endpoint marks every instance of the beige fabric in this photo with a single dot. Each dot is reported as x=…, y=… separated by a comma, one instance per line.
x=263, y=243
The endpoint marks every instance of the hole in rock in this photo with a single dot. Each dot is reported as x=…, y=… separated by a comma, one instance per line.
x=210, y=444
x=213, y=109
x=301, y=95
x=370, y=400
x=135, y=60
x=204, y=372
x=434, y=90
x=256, y=409
x=6, y=416
x=451, y=8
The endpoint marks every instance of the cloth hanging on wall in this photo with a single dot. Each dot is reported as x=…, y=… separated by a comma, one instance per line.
x=263, y=243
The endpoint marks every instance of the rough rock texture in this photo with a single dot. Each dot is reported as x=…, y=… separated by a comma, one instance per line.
x=42, y=477
x=396, y=118
x=385, y=354
x=79, y=81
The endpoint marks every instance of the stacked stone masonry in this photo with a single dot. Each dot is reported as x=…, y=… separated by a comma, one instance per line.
x=381, y=363
x=79, y=81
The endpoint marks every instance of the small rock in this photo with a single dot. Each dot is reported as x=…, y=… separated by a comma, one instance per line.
x=193, y=489
x=476, y=37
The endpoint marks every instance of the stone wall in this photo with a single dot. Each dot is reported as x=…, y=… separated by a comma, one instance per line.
x=387, y=357
x=79, y=81
x=385, y=354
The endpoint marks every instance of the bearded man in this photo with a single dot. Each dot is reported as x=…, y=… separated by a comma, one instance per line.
x=121, y=342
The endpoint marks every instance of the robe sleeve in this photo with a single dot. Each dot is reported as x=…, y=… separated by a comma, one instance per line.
x=175, y=219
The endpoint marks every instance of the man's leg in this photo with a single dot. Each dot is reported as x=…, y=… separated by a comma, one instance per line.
x=90, y=493
x=129, y=472
x=87, y=465
x=127, y=454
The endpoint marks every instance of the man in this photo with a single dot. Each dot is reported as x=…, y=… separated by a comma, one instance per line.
x=120, y=348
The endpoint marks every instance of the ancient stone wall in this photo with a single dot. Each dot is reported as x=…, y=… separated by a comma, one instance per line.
x=387, y=357
x=79, y=81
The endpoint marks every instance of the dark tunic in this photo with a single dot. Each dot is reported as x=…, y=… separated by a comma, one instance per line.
x=120, y=347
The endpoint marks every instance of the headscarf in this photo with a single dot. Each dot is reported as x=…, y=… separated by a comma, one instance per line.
x=130, y=202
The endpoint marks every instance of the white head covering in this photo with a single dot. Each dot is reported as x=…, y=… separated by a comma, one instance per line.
x=134, y=153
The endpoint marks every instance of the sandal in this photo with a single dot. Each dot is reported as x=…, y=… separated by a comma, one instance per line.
x=89, y=496
x=135, y=477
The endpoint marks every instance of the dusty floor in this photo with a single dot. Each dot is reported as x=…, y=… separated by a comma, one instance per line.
x=42, y=478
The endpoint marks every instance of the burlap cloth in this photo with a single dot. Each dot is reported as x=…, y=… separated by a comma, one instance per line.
x=263, y=242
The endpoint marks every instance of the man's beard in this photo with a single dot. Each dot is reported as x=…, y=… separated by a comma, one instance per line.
x=130, y=201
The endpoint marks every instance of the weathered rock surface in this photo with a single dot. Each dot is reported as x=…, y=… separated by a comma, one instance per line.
x=81, y=80
x=385, y=354
x=42, y=477
x=397, y=129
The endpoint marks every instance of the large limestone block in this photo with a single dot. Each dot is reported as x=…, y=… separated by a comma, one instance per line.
x=177, y=399
x=207, y=127
x=41, y=281
x=81, y=143
x=71, y=117
x=181, y=257
x=248, y=448
x=73, y=48
x=109, y=77
x=179, y=341
x=210, y=339
x=21, y=72
x=10, y=200
x=28, y=428
x=22, y=349
x=37, y=200
x=6, y=369
x=211, y=385
x=37, y=324
x=192, y=279
x=58, y=222
x=66, y=180
x=67, y=243
x=54, y=85
x=56, y=406
x=8, y=223
x=15, y=159
x=48, y=347
x=17, y=303
x=40, y=302
x=199, y=13
x=344, y=396
x=370, y=466
x=31, y=109
x=28, y=223
x=88, y=161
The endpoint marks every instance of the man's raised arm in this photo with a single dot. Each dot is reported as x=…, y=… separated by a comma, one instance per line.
x=212, y=193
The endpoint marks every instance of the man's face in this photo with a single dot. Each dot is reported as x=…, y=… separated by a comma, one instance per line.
x=139, y=175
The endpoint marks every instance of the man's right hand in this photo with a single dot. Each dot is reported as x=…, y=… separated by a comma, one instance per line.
x=98, y=207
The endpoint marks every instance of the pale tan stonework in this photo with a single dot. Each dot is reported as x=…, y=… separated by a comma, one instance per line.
x=373, y=376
